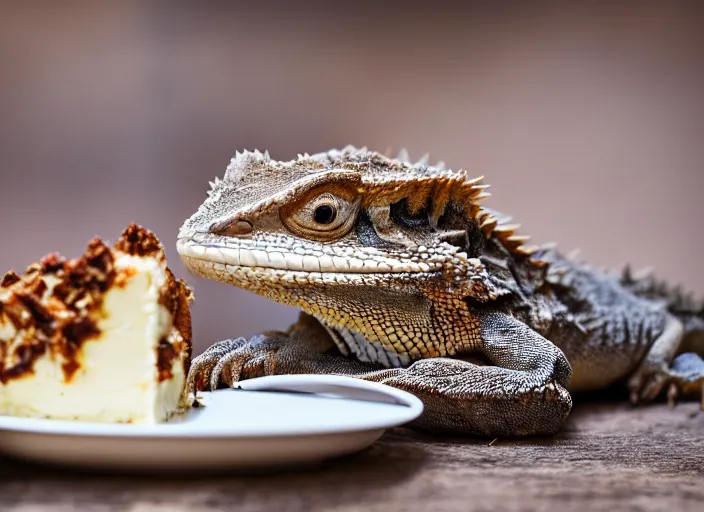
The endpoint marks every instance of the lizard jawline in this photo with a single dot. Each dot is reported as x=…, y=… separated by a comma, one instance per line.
x=243, y=257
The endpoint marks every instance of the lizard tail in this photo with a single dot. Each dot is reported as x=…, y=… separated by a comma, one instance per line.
x=680, y=303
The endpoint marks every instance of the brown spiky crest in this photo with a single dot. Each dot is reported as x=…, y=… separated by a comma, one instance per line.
x=382, y=180
x=418, y=182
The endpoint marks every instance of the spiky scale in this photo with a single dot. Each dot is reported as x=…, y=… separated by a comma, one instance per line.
x=518, y=238
x=507, y=228
x=403, y=156
x=474, y=181
x=574, y=256
x=441, y=199
x=529, y=250
x=424, y=159
x=489, y=223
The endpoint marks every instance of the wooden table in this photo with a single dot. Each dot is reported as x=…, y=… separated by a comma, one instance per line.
x=610, y=457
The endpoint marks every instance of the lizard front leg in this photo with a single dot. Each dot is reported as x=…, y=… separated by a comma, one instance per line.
x=524, y=395
x=303, y=348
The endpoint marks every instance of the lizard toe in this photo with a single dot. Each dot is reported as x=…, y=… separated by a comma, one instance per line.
x=245, y=359
x=653, y=386
x=202, y=367
x=647, y=382
x=226, y=370
x=684, y=377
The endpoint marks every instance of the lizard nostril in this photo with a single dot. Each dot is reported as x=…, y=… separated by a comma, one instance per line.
x=238, y=227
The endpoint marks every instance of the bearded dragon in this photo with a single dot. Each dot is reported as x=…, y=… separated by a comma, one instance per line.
x=405, y=278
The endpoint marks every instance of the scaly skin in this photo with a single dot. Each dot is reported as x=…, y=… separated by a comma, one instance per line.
x=404, y=279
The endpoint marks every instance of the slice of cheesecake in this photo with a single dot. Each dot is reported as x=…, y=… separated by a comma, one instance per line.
x=106, y=337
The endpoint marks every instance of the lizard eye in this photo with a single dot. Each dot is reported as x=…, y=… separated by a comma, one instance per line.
x=325, y=214
x=322, y=216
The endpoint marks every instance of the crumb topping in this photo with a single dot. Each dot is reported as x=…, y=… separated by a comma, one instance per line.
x=52, y=263
x=53, y=306
x=9, y=279
x=85, y=279
x=138, y=241
x=60, y=321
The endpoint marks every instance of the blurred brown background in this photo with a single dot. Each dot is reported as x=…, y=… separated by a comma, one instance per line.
x=588, y=121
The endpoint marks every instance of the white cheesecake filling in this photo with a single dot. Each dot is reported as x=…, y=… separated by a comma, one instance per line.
x=117, y=379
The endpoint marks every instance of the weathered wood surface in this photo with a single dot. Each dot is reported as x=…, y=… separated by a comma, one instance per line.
x=610, y=457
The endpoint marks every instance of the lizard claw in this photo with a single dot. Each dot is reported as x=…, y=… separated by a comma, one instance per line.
x=647, y=383
x=229, y=361
x=672, y=394
x=254, y=358
x=684, y=377
x=202, y=367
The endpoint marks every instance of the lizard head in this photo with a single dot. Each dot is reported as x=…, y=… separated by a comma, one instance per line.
x=372, y=246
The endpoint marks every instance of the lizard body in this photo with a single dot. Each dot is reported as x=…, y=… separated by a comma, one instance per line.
x=405, y=278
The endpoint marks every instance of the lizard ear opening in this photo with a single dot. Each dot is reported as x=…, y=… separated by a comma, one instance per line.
x=323, y=214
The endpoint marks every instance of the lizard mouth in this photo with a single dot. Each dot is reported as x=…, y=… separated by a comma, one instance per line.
x=329, y=260
x=275, y=255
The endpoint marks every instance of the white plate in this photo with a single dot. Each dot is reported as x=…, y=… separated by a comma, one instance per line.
x=270, y=421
